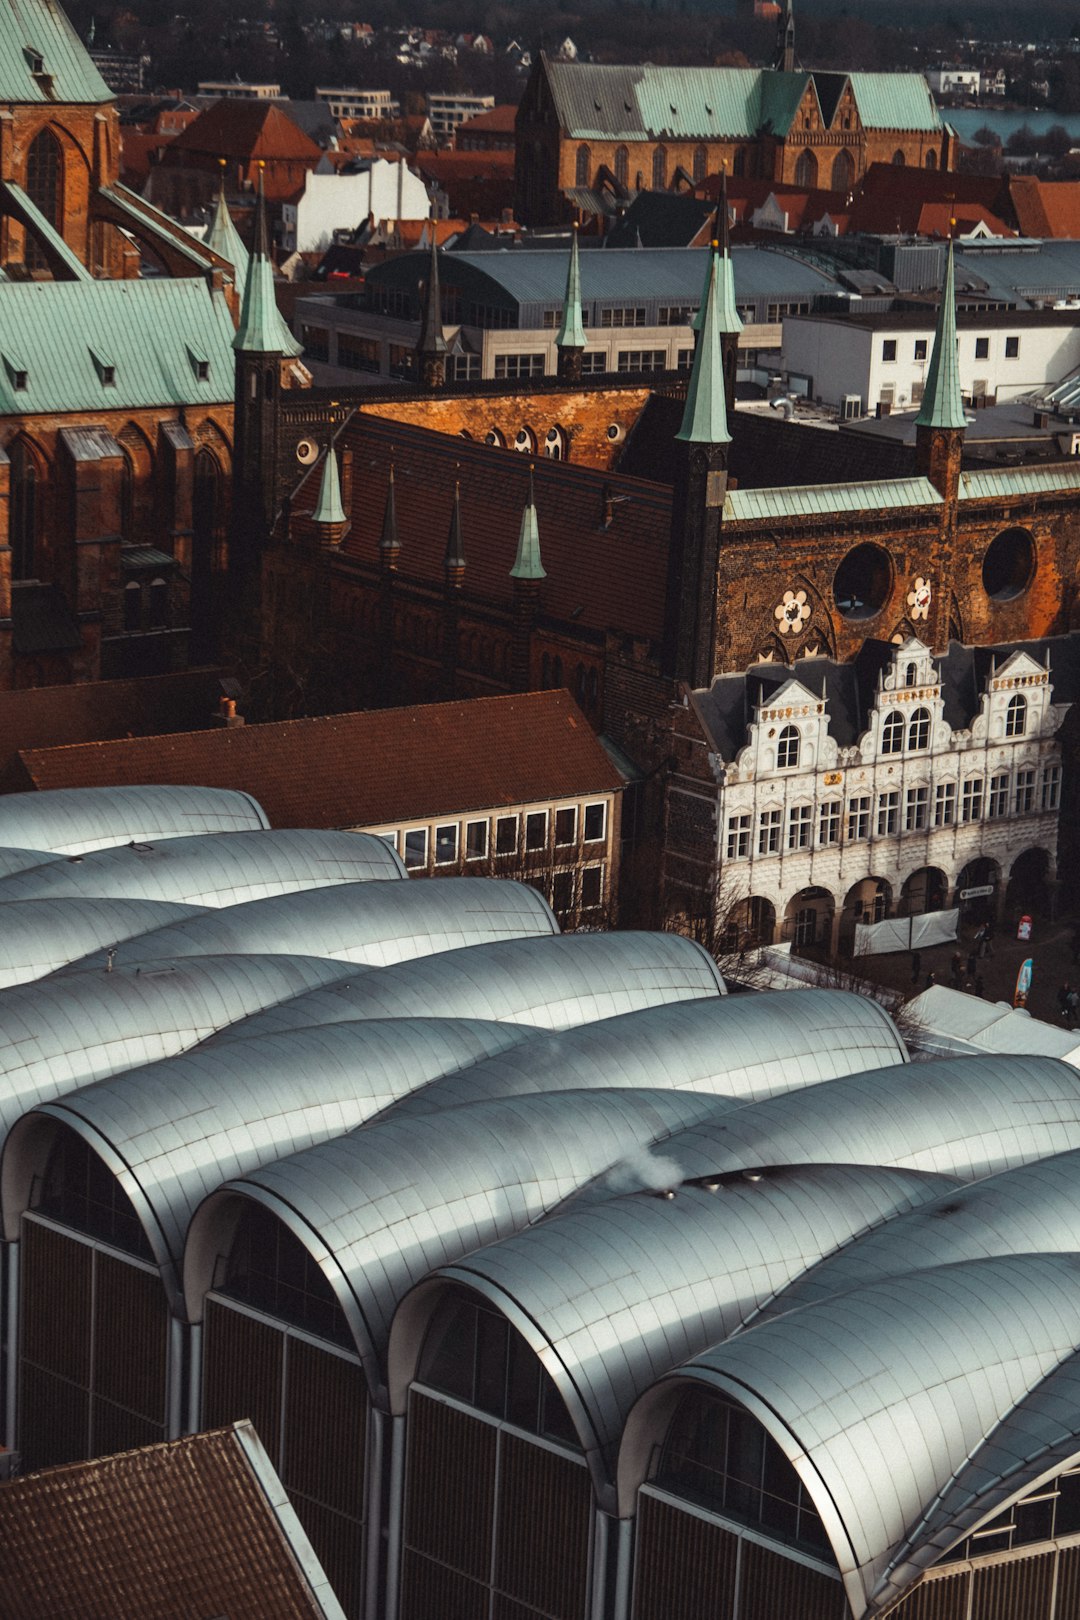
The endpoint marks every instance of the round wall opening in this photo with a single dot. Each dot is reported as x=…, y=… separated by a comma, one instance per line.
x=861, y=583
x=1008, y=565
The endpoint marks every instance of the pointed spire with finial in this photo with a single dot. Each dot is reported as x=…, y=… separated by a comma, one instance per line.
x=785, y=40
x=431, y=345
x=224, y=238
x=328, y=508
x=943, y=400
x=571, y=333
x=262, y=329
x=527, y=563
x=705, y=416
x=720, y=249
x=389, y=544
x=454, y=560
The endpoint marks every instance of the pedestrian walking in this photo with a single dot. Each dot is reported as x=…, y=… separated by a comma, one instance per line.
x=957, y=967
x=930, y=978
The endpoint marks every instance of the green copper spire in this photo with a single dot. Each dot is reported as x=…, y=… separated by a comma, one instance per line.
x=527, y=564
x=728, y=314
x=705, y=417
x=943, y=402
x=388, y=540
x=571, y=334
x=329, y=508
x=454, y=558
x=262, y=329
x=224, y=238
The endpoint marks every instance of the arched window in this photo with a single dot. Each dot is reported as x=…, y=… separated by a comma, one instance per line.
x=45, y=188
x=127, y=500
x=132, y=605
x=555, y=444
x=919, y=729
x=639, y=180
x=1016, y=716
x=659, y=168
x=738, y=165
x=24, y=511
x=525, y=441
x=622, y=165
x=911, y=675
x=787, y=749
x=159, y=603
x=701, y=163
x=584, y=162
x=806, y=171
x=892, y=734
x=899, y=160
x=843, y=171
x=556, y=671
x=931, y=160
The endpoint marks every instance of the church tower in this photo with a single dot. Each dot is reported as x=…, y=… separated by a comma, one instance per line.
x=570, y=339
x=941, y=422
x=431, y=345
x=699, y=500
x=785, y=40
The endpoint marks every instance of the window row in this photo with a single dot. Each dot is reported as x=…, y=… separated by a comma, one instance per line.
x=921, y=349
x=913, y=809
x=447, y=843
x=898, y=732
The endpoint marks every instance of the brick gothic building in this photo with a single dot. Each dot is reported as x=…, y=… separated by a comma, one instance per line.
x=376, y=583
x=115, y=392
x=583, y=128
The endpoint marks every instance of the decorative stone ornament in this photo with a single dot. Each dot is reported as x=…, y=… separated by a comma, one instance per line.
x=792, y=612
x=919, y=598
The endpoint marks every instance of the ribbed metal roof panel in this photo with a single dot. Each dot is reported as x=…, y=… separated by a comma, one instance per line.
x=747, y=1047
x=997, y=482
x=71, y=821
x=895, y=101
x=555, y=1279
x=807, y=500
x=375, y=923
x=40, y=936
x=686, y=103
x=553, y=983
x=211, y=869
x=68, y=74
x=172, y=1132
x=148, y=330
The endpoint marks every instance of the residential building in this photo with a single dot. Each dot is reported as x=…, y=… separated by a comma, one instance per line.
x=582, y=124
x=239, y=141
x=447, y=111
x=510, y=786
x=874, y=364
x=890, y=786
x=329, y=203
x=366, y=104
x=954, y=81
x=239, y=90
x=491, y=131
x=123, y=71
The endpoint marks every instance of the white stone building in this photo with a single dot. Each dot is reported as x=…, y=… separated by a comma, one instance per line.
x=954, y=81
x=846, y=793
x=333, y=202
x=350, y=102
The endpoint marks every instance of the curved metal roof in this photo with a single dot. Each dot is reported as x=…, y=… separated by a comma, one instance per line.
x=612, y=1298
x=21, y=860
x=553, y=982
x=71, y=821
x=56, y=1034
x=39, y=936
x=962, y=1116
x=173, y=1131
x=748, y=1047
x=215, y=869
x=378, y=1209
x=879, y=1397
x=374, y=922
x=1033, y=1209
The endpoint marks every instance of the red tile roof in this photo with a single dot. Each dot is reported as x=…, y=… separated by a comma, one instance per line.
x=496, y=121
x=246, y=130
x=182, y=1528
x=599, y=577
x=893, y=197
x=1046, y=207
x=381, y=765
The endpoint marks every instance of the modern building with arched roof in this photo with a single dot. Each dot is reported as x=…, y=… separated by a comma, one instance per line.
x=41, y=936
x=72, y=821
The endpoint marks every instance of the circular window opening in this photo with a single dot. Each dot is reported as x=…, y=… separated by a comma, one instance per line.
x=1008, y=565
x=861, y=583
x=524, y=441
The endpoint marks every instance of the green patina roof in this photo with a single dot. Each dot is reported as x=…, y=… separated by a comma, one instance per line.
x=149, y=330
x=33, y=215
x=943, y=400
x=527, y=563
x=806, y=500
x=329, y=509
x=68, y=75
x=224, y=238
x=999, y=481
x=262, y=328
x=571, y=333
x=604, y=102
x=705, y=416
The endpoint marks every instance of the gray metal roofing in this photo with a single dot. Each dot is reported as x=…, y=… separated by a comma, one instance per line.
x=1028, y=271
x=21, y=860
x=378, y=1209
x=373, y=922
x=746, y=1047
x=211, y=869
x=538, y=275
x=39, y=936
x=152, y=333
x=880, y=1396
x=553, y=983
x=71, y=821
x=612, y=1298
x=61, y=1033
x=173, y=1131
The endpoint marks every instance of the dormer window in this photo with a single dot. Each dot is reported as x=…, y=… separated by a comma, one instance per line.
x=105, y=368
x=35, y=60
x=787, y=749
x=911, y=675
x=18, y=375
x=200, y=363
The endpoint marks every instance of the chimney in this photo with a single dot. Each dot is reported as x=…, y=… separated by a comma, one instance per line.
x=1042, y=419
x=225, y=714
